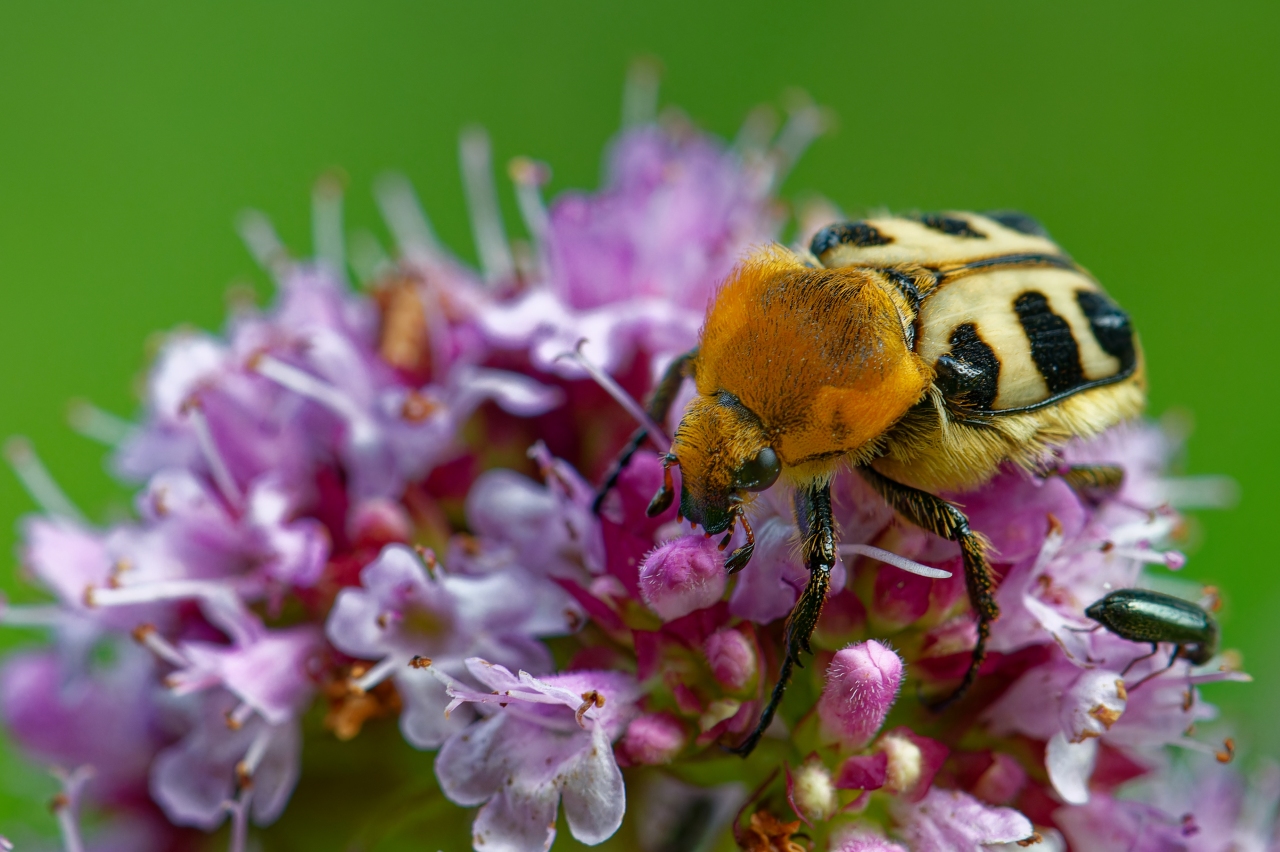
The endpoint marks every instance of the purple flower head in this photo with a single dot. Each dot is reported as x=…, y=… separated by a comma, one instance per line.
x=681, y=576
x=402, y=611
x=540, y=741
x=862, y=685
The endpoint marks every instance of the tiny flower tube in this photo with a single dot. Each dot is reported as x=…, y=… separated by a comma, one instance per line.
x=862, y=684
x=682, y=576
x=653, y=739
x=732, y=657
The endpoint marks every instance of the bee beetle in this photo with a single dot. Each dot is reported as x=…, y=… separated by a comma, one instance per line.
x=1141, y=615
x=923, y=352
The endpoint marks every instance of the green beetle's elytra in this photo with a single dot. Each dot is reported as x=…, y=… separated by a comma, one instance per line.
x=1141, y=615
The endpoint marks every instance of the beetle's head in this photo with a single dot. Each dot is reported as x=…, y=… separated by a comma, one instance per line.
x=724, y=455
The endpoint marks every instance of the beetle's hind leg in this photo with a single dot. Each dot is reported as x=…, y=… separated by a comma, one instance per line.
x=813, y=514
x=664, y=394
x=939, y=517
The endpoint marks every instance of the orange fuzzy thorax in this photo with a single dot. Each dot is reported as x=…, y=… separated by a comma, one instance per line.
x=819, y=358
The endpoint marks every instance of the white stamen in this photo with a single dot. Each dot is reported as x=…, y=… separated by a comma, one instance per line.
x=378, y=674
x=67, y=806
x=640, y=92
x=96, y=424
x=326, y=223
x=368, y=258
x=482, y=202
x=38, y=482
x=149, y=638
x=1200, y=492
x=405, y=217
x=239, y=810
x=257, y=750
x=318, y=390
x=805, y=123
x=217, y=465
x=237, y=717
x=530, y=176
x=30, y=616
x=1171, y=559
x=756, y=131
x=893, y=559
x=262, y=241
x=604, y=380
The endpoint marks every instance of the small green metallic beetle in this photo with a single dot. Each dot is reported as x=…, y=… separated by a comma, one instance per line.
x=1141, y=615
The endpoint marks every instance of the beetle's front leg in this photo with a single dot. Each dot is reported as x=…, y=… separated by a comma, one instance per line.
x=813, y=515
x=660, y=401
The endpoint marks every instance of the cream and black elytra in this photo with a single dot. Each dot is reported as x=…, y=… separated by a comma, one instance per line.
x=925, y=352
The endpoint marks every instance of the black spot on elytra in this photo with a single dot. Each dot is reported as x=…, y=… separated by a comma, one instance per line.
x=951, y=226
x=1016, y=220
x=968, y=375
x=1053, y=347
x=858, y=234
x=1109, y=324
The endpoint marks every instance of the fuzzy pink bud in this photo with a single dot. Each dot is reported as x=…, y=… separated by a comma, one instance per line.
x=682, y=576
x=379, y=522
x=862, y=683
x=653, y=739
x=732, y=657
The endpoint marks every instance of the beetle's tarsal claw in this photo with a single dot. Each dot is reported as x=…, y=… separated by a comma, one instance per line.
x=739, y=559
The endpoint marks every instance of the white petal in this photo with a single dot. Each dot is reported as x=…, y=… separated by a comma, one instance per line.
x=1070, y=765
x=518, y=819
x=423, y=722
x=594, y=796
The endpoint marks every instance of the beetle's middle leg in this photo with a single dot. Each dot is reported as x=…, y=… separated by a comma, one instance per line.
x=660, y=401
x=1094, y=481
x=813, y=515
x=939, y=517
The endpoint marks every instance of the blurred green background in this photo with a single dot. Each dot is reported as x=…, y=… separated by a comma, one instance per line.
x=1144, y=136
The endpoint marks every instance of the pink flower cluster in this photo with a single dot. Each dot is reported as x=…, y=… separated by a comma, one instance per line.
x=379, y=500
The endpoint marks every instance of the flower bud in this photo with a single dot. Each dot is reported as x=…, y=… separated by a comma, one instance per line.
x=379, y=522
x=682, y=576
x=862, y=683
x=732, y=657
x=813, y=792
x=653, y=739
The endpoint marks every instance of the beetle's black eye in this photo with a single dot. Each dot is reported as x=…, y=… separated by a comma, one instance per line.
x=759, y=473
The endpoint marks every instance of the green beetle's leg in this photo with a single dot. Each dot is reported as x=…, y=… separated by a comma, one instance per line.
x=939, y=517
x=1177, y=652
x=659, y=407
x=1155, y=649
x=813, y=515
x=1095, y=481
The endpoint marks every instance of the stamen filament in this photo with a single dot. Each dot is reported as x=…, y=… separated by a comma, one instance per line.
x=376, y=675
x=38, y=482
x=405, y=217
x=238, y=716
x=148, y=637
x=604, y=380
x=1200, y=492
x=239, y=810
x=66, y=806
x=326, y=223
x=640, y=92
x=893, y=559
x=369, y=259
x=217, y=464
x=96, y=424
x=317, y=390
x=529, y=176
x=263, y=243
x=482, y=202
x=805, y=123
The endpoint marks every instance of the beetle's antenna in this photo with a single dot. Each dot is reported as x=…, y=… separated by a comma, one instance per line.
x=605, y=381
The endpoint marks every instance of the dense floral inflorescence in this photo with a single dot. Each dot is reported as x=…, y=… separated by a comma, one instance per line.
x=376, y=504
